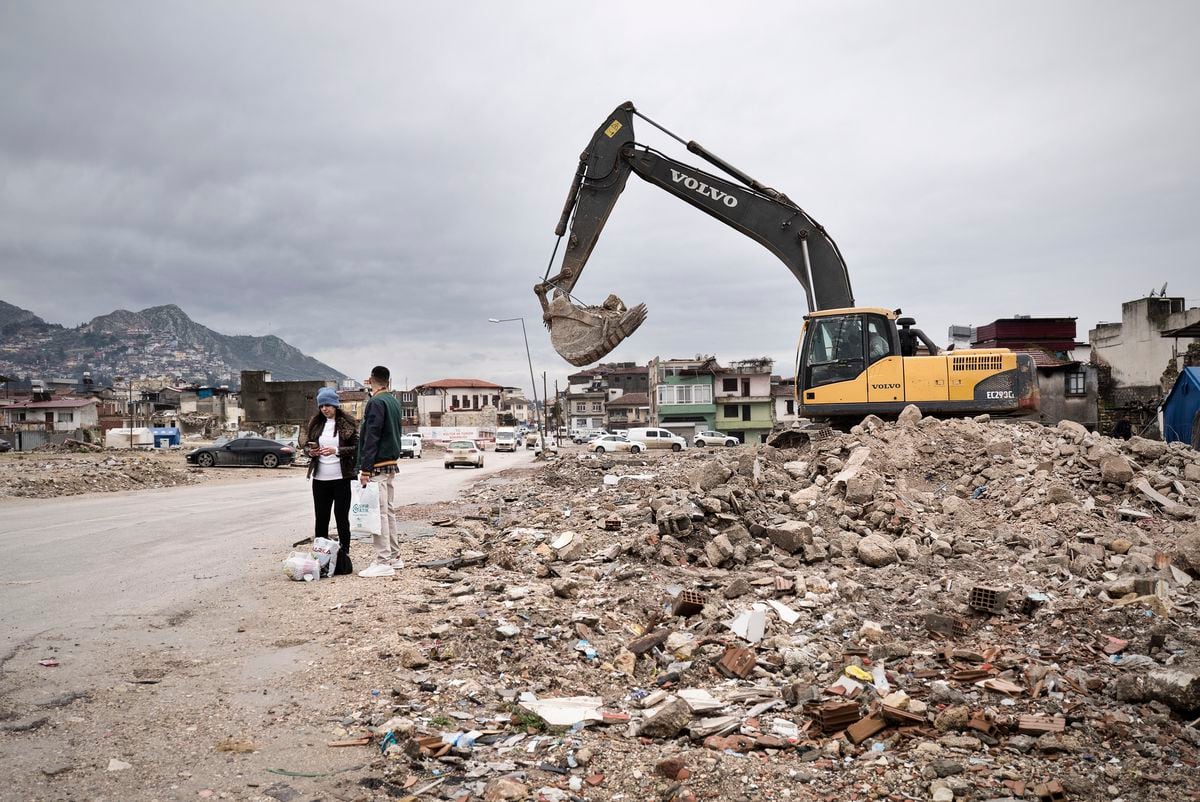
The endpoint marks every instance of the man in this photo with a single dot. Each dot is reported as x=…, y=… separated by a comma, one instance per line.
x=378, y=454
x=1122, y=428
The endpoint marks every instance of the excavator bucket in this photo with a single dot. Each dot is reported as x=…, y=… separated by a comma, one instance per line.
x=585, y=334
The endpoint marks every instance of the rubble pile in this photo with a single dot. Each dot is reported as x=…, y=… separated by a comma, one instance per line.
x=38, y=475
x=923, y=609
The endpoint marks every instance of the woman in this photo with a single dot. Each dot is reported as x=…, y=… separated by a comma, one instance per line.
x=332, y=446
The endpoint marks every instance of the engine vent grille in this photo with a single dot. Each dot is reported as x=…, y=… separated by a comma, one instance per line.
x=988, y=362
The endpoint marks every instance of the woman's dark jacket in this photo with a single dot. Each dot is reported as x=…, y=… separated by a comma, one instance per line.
x=347, y=431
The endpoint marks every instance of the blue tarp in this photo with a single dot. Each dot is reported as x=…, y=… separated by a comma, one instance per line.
x=166, y=436
x=1181, y=410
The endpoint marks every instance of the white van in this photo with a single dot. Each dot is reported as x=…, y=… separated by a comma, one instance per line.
x=656, y=439
x=506, y=438
x=410, y=446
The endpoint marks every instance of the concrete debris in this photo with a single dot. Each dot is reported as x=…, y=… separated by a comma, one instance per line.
x=946, y=609
x=41, y=474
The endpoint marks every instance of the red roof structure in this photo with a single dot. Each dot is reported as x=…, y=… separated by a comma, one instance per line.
x=58, y=403
x=446, y=384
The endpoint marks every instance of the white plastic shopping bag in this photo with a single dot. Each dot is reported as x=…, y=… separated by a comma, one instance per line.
x=364, y=508
x=325, y=550
x=301, y=566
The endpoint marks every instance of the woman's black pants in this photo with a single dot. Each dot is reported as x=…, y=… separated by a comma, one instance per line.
x=333, y=493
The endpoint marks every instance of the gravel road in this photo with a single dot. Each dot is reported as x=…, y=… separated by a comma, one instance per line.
x=168, y=617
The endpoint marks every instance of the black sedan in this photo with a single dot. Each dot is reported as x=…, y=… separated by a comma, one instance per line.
x=244, y=452
x=5, y=446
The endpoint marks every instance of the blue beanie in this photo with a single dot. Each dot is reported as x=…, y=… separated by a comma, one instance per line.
x=328, y=397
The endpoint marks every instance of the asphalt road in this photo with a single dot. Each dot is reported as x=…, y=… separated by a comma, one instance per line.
x=74, y=565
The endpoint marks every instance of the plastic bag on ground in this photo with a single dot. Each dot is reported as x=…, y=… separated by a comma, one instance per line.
x=301, y=567
x=325, y=550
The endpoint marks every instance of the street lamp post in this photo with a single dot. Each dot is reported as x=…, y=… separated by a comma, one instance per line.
x=128, y=406
x=532, y=381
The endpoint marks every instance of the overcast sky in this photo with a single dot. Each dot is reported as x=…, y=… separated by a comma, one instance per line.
x=373, y=181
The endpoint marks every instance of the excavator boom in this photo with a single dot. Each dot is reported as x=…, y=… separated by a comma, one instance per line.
x=584, y=334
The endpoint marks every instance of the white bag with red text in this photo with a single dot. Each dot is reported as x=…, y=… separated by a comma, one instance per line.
x=364, y=508
x=325, y=550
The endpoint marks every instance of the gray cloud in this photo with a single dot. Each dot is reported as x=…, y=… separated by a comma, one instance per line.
x=373, y=183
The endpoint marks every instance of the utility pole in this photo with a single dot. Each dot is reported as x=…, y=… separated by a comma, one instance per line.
x=547, y=410
x=557, y=415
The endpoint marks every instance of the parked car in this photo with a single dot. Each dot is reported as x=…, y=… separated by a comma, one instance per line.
x=410, y=447
x=242, y=452
x=463, y=452
x=5, y=446
x=551, y=447
x=714, y=439
x=587, y=435
x=652, y=438
x=613, y=442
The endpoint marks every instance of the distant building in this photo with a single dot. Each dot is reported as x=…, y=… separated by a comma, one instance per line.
x=742, y=393
x=458, y=402
x=1067, y=383
x=59, y=415
x=681, y=394
x=783, y=396
x=284, y=403
x=1139, y=358
x=628, y=410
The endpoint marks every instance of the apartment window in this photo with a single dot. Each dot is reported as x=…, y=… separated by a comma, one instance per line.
x=745, y=412
x=453, y=402
x=596, y=406
x=729, y=385
x=1076, y=382
x=730, y=411
x=684, y=394
x=581, y=406
x=66, y=417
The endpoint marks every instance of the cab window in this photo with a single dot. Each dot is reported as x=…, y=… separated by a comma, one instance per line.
x=835, y=351
x=879, y=340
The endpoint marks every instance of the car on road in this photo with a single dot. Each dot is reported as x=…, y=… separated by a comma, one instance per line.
x=703, y=439
x=242, y=452
x=613, y=442
x=582, y=436
x=463, y=452
x=654, y=439
x=5, y=446
x=551, y=447
x=410, y=447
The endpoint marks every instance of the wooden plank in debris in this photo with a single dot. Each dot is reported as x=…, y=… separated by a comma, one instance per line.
x=1039, y=725
x=645, y=643
x=864, y=728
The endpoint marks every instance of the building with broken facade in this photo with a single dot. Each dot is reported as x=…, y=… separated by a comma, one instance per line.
x=268, y=403
x=1139, y=358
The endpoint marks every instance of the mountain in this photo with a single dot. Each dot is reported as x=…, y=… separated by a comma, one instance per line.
x=16, y=316
x=158, y=341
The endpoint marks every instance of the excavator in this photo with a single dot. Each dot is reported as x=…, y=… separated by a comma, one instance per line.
x=851, y=360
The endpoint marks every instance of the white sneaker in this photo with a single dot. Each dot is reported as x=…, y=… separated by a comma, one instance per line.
x=397, y=564
x=377, y=569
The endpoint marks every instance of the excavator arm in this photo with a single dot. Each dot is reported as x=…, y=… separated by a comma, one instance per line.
x=582, y=334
